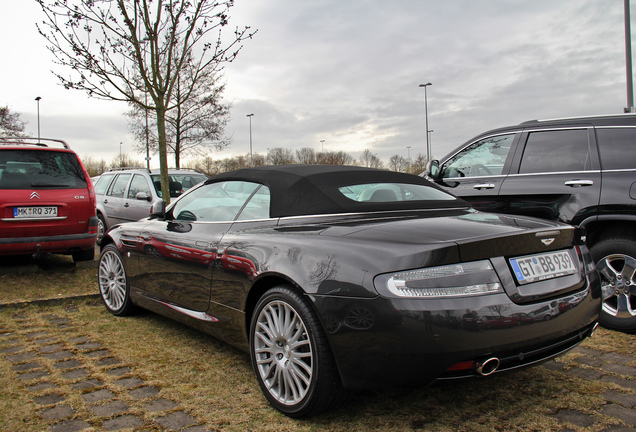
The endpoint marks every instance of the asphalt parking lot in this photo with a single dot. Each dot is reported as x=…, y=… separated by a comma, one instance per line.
x=74, y=381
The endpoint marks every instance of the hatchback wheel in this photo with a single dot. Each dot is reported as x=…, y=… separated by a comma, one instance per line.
x=113, y=282
x=291, y=357
x=101, y=229
x=616, y=262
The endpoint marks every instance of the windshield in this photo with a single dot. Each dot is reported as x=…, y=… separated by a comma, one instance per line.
x=393, y=192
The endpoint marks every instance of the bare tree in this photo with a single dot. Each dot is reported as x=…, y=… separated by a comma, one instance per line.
x=10, y=123
x=418, y=165
x=126, y=49
x=280, y=156
x=370, y=160
x=335, y=158
x=193, y=127
x=306, y=155
x=397, y=163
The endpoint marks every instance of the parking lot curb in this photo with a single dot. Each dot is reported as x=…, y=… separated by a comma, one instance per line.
x=48, y=302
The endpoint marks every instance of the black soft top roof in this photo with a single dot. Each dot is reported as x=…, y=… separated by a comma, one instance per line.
x=298, y=190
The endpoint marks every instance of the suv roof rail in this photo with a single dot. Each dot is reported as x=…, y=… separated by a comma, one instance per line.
x=128, y=168
x=580, y=118
x=180, y=169
x=32, y=141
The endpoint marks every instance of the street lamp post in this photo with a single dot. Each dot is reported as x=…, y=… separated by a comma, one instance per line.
x=121, y=163
x=408, y=148
x=37, y=99
x=251, y=156
x=322, y=148
x=428, y=144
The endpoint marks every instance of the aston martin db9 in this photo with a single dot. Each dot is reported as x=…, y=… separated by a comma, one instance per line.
x=338, y=279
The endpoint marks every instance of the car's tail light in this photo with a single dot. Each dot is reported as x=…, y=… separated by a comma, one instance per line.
x=454, y=280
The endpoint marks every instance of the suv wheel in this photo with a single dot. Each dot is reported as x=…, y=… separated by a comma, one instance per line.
x=615, y=260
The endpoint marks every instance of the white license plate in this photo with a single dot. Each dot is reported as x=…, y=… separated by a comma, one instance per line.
x=539, y=267
x=34, y=212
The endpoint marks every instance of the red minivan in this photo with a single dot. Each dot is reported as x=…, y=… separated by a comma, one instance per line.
x=47, y=200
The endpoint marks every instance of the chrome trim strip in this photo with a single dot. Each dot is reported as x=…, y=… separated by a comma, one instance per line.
x=555, y=173
x=32, y=219
x=201, y=316
x=370, y=213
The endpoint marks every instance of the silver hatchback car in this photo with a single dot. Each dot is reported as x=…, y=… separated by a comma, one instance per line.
x=127, y=194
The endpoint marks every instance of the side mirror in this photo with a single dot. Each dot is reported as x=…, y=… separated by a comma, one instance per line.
x=158, y=210
x=432, y=169
x=142, y=196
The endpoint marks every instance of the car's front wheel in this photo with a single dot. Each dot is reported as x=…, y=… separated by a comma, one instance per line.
x=615, y=260
x=291, y=357
x=113, y=282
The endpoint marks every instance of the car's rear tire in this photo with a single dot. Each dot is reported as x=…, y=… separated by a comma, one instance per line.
x=291, y=357
x=113, y=282
x=101, y=228
x=615, y=260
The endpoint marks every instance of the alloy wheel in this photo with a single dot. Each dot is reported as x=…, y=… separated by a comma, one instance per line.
x=618, y=285
x=112, y=280
x=283, y=352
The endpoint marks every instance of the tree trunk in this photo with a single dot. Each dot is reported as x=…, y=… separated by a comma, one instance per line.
x=163, y=153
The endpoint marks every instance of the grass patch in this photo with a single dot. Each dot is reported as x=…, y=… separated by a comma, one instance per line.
x=215, y=383
x=23, y=278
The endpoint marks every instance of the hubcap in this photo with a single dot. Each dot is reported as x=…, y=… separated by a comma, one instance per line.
x=100, y=230
x=283, y=353
x=112, y=280
x=618, y=285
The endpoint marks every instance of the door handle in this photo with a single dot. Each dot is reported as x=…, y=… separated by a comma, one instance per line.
x=105, y=201
x=126, y=205
x=484, y=186
x=579, y=183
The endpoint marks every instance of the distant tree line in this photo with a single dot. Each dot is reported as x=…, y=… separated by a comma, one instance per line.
x=274, y=156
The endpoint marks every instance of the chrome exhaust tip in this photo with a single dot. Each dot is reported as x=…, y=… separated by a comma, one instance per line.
x=486, y=366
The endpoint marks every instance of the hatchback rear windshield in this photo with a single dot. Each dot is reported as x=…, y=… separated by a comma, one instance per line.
x=28, y=169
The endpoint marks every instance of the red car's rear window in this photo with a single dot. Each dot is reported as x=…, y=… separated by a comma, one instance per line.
x=29, y=169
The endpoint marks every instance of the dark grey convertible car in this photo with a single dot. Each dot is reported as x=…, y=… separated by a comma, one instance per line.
x=341, y=278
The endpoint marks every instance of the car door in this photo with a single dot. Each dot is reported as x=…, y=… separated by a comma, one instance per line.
x=476, y=172
x=178, y=254
x=555, y=175
x=113, y=201
x=137, y=206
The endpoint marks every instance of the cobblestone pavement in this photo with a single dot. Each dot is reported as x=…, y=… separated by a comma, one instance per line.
x=610, y=368
x=77, y=384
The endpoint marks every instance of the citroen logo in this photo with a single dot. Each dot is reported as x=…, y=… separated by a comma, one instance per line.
x=547, y=241
x=35, y=195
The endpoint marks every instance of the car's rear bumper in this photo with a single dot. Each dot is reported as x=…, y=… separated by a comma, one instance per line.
x=385, y=342
x=47, y=244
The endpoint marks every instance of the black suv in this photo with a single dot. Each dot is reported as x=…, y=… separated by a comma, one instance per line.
x=580, y=171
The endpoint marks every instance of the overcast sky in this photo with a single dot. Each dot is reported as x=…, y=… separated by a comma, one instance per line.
x=347, y=72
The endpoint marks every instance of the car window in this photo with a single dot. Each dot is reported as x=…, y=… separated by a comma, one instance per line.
x=102, y=184
x=556, y=151
x=178, y=183
x=212, y=203
x=617, y=148
x=482, y=158
x=258, y=205
x=138, y=184
x=393, y=192
x=119, y=186
x=25, y=169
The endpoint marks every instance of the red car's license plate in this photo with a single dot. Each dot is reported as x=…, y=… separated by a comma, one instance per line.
x=34, y=212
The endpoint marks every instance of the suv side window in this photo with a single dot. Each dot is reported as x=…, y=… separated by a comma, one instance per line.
x=119, y=186
x=138, y=184
x=556, y=151
x=617, y=148
x=482, y=158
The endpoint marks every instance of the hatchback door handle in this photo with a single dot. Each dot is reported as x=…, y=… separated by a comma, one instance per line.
x=484, y=186
x=579, y=183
